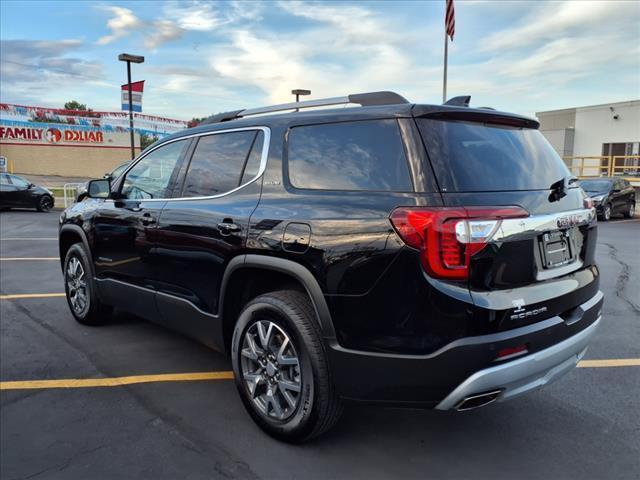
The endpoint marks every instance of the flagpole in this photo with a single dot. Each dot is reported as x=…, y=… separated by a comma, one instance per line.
x=446, y=54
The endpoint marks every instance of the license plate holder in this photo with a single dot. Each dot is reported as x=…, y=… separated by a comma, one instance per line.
x=556, y=248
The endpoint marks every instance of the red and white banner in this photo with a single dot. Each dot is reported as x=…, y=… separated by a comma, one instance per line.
x=136, y=96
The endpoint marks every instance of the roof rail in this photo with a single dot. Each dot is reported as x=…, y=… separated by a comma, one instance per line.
x=363, y=99
x=462, y=101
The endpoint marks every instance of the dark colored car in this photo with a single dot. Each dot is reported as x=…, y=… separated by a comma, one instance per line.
x=611, y=195
x=81, y=192
x=17, y=192
x=434, y=256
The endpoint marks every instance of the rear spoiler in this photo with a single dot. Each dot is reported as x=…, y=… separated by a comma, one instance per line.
x=446, y=112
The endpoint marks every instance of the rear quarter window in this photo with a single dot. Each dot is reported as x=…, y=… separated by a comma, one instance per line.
x=476, y=157
x=364, y=155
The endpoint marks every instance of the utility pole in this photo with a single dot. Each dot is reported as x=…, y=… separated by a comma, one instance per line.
x=125, y=57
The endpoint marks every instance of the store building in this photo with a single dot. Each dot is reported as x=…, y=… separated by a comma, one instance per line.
x=45, y=141
x=597, y=139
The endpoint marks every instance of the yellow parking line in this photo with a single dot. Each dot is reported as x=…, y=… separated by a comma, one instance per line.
x=616, y=362
x=115, y=381
x=17, y=259
x=200, y=376
x=26, y=239
x=16, y=296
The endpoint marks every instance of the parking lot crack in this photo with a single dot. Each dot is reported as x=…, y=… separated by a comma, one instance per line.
x=623, y=277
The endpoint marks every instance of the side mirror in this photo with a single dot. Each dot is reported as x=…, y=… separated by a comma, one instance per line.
x=616, y=190
x=99, y=188
x=31, y=185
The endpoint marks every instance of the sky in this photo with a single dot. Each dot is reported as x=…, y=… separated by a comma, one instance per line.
x=208, y=57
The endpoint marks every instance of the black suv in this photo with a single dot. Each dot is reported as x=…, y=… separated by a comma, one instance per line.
x=434, y=256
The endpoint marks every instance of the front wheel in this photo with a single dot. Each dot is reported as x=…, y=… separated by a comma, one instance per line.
x=631, y=211
x=606, y=213
x=281, y=369
x=45, y=203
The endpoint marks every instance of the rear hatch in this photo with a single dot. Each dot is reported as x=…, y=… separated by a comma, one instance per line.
x=521, y=232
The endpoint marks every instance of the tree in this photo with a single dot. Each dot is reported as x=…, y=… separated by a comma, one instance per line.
x=146, y=140
x=75, y=105
x=194, y=122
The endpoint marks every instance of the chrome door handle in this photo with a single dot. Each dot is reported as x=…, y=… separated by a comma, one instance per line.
x=147, y=219
x=226, y=228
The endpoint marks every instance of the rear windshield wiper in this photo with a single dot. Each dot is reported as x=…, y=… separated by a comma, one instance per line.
x=559, y=188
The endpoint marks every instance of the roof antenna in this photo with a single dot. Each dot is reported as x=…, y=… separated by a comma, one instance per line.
x=462, y=101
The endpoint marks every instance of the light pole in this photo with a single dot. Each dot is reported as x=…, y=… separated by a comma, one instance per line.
x=299, y=91
x=126, y=57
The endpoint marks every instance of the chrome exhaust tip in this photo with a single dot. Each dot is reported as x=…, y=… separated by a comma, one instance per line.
x=476, y=401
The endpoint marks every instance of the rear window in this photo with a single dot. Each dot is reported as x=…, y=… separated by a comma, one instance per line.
x=366, y=155
x=477, y=157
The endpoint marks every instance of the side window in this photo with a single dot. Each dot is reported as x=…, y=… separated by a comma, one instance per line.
x=4, y=179
x=365, y=155
x=217, y=163
x=152, y=176
x=18, y=182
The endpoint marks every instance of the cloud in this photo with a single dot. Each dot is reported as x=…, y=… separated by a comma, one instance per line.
x=199, y=16
x=33, y=70
x=552, y=20
x=124, y=22
x=121, y=24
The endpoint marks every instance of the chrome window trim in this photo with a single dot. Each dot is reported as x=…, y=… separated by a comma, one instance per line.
x=261, y=170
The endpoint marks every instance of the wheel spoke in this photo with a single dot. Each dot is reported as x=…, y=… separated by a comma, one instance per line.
x=273, y=401
x=290, y=400
x=286, y=360
x=288, y=385
x=265, y=335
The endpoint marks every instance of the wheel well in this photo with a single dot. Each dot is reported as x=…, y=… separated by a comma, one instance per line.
x=67, y=238
x=245, y=285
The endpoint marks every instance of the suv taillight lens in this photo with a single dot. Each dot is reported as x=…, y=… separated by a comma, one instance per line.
x=447, y=237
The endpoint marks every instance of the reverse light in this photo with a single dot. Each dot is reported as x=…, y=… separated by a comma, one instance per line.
x=447, y=237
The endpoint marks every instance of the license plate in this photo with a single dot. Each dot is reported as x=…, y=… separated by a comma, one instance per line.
x=557, y=248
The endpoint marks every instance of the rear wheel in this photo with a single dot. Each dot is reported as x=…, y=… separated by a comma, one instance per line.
x=631, y=210
x=45, y=203
x=281, y=369
x=80, y=289
x=606, y=212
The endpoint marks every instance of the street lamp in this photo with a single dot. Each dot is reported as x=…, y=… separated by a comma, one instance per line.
x=299, y=91
x=126, y=57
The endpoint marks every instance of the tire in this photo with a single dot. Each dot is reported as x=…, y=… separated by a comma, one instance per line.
x=631, y=211
x=606, y=212
x=80, y=289
x=314, y=407
x=45, y=203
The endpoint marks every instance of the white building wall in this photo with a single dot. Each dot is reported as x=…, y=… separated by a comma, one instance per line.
x=595, y=126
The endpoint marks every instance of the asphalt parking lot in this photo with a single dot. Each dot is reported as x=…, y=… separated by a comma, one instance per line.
x=585, y=426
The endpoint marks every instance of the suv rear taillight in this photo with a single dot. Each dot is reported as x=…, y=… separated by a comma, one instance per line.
x=447, y=237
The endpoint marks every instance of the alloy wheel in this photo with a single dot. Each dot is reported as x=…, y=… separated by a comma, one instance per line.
x=77, y=286
x=46, y=203
x=632, y=209
x=607, y=212
x=271, y=370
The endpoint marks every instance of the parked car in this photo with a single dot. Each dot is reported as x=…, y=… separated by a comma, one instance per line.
x=81, y=192
x=435, y=256
x=611, y=195
x=18, y=192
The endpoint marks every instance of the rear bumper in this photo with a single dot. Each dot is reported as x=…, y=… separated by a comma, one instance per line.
x=520, y=376
x=468, y=366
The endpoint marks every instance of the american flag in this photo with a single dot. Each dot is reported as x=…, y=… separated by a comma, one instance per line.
x=450, y=19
